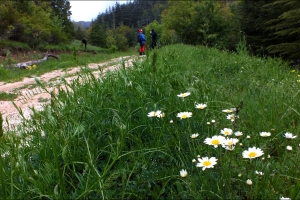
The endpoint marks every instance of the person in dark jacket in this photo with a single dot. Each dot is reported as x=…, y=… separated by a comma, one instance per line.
x=154, y=38
x=84, y=41
x=142, y=41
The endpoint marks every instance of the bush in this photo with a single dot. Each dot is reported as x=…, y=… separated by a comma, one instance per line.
x=113, y=49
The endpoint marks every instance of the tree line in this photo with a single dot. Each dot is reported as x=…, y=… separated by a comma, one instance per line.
x=264, y=27
x=267, y=27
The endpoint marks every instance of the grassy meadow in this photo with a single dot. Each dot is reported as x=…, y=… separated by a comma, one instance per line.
x=187, y=122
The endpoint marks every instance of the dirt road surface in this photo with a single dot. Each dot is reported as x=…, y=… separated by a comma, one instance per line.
x=29, y=95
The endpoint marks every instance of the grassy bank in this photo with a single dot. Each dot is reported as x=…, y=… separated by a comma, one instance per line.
x=129, y=134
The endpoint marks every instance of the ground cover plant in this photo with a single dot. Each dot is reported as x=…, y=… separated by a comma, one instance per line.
x=186, y=123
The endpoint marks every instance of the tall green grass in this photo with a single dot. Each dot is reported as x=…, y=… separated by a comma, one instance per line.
x=96, y=140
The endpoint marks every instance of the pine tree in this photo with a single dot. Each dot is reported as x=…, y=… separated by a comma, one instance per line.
x=286, y=27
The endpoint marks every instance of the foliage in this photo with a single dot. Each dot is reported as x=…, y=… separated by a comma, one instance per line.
x=286, y=27
x=80, y=33
x=271, y=27
x=97, y=139
x=36, y=22
x=110, y=39
x=185, y=11
x=61, y=9
x=122, y=35
x=97, y=34
x=9, y=60
x=200, y=22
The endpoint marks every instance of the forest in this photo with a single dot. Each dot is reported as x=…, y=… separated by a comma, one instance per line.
x=267, y=27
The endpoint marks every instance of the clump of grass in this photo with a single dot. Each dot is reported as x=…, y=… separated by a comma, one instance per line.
x=190, y=123
x=7, y=96
x=41, y=100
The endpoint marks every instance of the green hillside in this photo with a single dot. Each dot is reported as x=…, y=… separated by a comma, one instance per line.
x=188, y=122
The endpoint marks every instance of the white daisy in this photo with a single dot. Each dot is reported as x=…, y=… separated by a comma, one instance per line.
x=289, y=148
x=229, y=110
x=252, y=153
x=183, y=95
x=194, y=135
x=152, y=114
x=201, y=106
x=158, y=114
x=238, y=133
x=215, y=140
x=206, y=162
x=226, y=131
x=285, y=198
x=259, y=173
x=249, y=182
x=289, y=135
x=183, y=173
x=232, y=117
x=230, y=141
x=265, y=134
x=184, y=115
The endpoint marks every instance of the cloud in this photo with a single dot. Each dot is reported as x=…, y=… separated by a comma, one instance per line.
x=88, y=10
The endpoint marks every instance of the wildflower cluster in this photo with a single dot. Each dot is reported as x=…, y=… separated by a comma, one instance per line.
x=227, y=139
x=157, y=113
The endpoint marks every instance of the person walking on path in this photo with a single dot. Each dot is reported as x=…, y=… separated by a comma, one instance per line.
x=142, y=41
x=154, y=38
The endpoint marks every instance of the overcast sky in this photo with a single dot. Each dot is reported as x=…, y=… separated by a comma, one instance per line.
x=88, y=10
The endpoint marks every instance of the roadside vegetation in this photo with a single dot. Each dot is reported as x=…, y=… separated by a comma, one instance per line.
x=71, y=55
x=188, y=122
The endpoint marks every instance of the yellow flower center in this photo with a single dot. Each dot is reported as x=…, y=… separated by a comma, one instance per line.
x=252, y=154
x=206, y=163
x=215, y=142
x=184, y=116
x=229, y=143
x=226, y=132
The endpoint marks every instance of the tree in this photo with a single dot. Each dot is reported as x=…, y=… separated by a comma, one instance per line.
x=180, y=17
x=61, y=9
x=253, y=17
x=111, y=42
x=80, y=33
x=196, y=22
x=97, y=32
x=122, y=35
x=286, y=27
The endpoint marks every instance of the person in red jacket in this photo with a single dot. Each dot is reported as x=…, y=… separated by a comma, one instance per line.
x=142, y=41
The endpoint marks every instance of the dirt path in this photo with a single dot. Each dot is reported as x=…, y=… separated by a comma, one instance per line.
x=29, y=95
